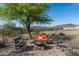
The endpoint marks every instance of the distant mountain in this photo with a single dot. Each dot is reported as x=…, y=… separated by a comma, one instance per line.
x=65, y=25
x=40, y=27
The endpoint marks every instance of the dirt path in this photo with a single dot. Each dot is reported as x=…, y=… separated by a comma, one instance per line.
x=50, y=52
x=6, y=50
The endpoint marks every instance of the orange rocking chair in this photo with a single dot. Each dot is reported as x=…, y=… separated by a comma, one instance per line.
x=40, y=39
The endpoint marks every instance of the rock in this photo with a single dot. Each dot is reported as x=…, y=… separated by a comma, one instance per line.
x=19, y=44
x=50, y=52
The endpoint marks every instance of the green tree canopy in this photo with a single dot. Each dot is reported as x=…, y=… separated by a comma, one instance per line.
x=26, y=14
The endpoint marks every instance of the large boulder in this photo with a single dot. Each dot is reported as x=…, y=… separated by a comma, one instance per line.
x=19, y=44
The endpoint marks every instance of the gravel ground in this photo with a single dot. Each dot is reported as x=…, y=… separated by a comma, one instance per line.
x=6, y=50
x=50, y=52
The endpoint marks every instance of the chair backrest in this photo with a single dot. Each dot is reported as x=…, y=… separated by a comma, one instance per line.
x=41, y=37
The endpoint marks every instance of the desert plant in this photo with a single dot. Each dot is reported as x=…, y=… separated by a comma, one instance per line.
x=73, y=53
x=26, y=14
x=52, y=38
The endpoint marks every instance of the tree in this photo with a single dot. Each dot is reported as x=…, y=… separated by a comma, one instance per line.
x=26, y=14
x=7, y=29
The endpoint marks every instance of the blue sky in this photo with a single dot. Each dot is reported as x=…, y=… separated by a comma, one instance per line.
x=62, y=13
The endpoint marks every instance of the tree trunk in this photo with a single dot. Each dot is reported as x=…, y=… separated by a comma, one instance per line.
x=3, y=36
x=28, y=28
x=21, y=32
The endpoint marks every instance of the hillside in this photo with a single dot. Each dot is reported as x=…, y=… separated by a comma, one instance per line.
x=65, y=25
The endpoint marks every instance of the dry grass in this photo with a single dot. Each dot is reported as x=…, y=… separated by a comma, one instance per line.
x=67, y=32
x=73, y=42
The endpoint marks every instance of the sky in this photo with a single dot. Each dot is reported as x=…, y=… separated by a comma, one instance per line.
x=64, y=13
x=61, y=13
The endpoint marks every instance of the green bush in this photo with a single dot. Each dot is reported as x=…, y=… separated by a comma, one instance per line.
x=74, y=53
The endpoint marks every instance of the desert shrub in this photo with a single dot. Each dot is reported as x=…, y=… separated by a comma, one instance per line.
x=2, y=44
x=52, y=38
x=61, y=34
x=73, y=53
x=60, y=37
x=67, y=38
x=63, y=37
